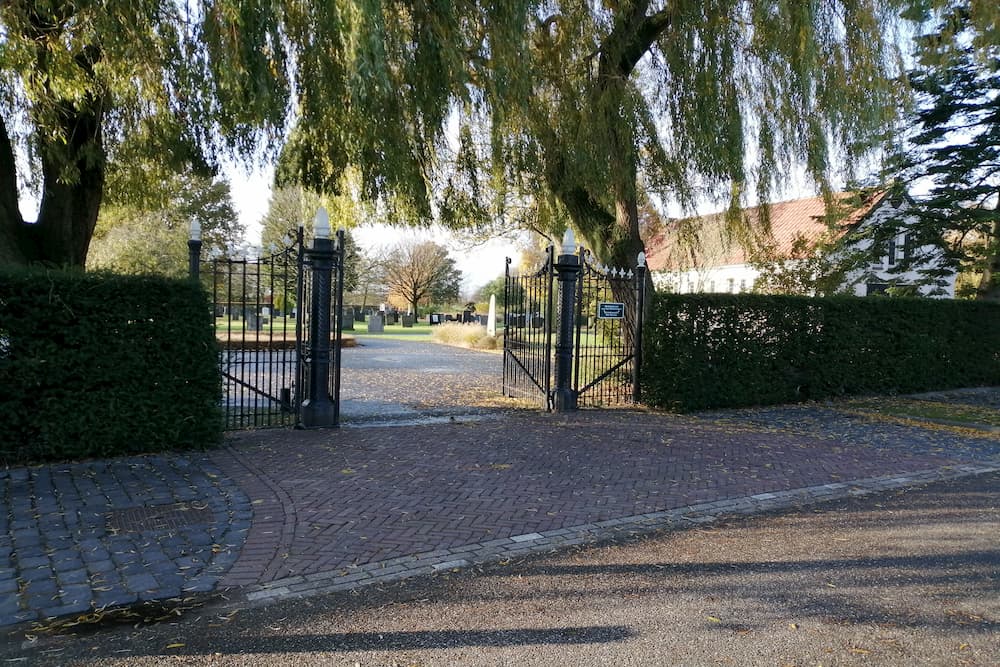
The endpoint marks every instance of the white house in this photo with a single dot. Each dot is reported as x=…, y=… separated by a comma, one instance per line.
x=698, y=255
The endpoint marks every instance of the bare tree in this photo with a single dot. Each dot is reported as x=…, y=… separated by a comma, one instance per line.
x=417, y=270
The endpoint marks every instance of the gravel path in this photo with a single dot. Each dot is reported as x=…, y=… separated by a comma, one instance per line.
x=393, y=380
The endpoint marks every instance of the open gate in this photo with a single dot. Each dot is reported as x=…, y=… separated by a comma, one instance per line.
x=578, y=343
x=528, y=329
x=272, y=315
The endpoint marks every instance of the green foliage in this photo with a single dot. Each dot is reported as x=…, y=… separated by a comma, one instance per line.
x=716, y=351
x=145, y=230
x=291, y=207
x=955, y=149
x=810, y=268
x=97, y=365
x=614, y=103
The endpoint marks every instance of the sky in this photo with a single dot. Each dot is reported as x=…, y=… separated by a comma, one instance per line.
x=479, y=264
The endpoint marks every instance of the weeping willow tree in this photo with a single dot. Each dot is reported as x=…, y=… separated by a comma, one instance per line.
x=677, y=100
x=580, y=109
x=369, y=84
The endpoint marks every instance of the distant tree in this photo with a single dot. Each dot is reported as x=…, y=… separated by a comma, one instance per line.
x=494, y=287
x=416, y=271
x=146, y=230
x=955, y=148
x=809, y=268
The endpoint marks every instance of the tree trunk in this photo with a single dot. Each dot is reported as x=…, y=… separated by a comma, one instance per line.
x=73, y=172
x=15, y=242
x=68, y=212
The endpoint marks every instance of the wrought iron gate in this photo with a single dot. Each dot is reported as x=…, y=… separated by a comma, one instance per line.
x=528, y=328
x=264, y=312
x=597, y=341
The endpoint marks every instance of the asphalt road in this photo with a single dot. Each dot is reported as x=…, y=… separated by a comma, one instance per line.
x=902, y=578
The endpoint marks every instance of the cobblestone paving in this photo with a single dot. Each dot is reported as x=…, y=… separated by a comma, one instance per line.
x=84, y=536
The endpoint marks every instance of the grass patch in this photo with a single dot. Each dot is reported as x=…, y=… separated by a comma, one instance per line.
x=932, y=410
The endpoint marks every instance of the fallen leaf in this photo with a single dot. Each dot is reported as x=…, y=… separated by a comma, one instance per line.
x=714, y=619
x=175, y=645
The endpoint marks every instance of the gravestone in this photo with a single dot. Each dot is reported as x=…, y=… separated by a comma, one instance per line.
x=253, y=321
x=347, y=319
x=407, y=321
x=376, y=324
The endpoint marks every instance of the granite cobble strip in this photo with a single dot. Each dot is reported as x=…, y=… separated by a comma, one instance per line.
x=68, y=556
x=398, y=569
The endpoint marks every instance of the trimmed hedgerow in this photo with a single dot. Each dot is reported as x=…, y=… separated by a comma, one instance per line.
x=97, y=365
x=721, y=350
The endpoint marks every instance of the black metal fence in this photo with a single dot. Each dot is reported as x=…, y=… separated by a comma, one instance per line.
x=528, y=329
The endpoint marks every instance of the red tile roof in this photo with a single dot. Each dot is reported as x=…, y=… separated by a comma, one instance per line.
x=706, y=241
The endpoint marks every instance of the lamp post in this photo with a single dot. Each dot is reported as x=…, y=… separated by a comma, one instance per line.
x=318, y=410
x=194, y=251
x=568, y=269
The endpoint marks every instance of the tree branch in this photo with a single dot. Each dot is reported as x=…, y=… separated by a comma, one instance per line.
x=631, y=39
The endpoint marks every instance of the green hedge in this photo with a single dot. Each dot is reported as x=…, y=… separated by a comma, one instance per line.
x=96, y=365
x=720, y=350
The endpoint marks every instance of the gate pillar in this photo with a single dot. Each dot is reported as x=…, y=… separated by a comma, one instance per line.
x=318, y=410
x=568, y=269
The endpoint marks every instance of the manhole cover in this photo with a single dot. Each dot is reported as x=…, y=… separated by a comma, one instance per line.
x=158, y=517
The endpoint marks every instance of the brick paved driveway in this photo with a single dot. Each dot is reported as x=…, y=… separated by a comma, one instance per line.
x=333, y=499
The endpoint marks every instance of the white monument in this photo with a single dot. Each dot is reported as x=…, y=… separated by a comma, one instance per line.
x=491, y=318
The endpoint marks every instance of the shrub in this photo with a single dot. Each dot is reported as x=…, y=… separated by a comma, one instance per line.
x=96, y=365
x=466, y=335
x=715, y=350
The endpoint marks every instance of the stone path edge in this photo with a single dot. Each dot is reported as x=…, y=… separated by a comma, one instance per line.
x=406, y=567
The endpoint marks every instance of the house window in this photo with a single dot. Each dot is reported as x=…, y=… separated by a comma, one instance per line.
x=876, y=288
x=711, y=286
x=907, y=247
x=891, y=251
x=743, y=285
x=732, y=285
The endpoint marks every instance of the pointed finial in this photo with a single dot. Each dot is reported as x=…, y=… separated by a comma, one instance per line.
x=642, y=259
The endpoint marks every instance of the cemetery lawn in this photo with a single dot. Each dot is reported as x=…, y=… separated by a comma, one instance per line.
x=421, y=332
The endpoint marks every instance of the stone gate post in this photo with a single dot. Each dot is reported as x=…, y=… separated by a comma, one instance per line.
x=568, y=269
